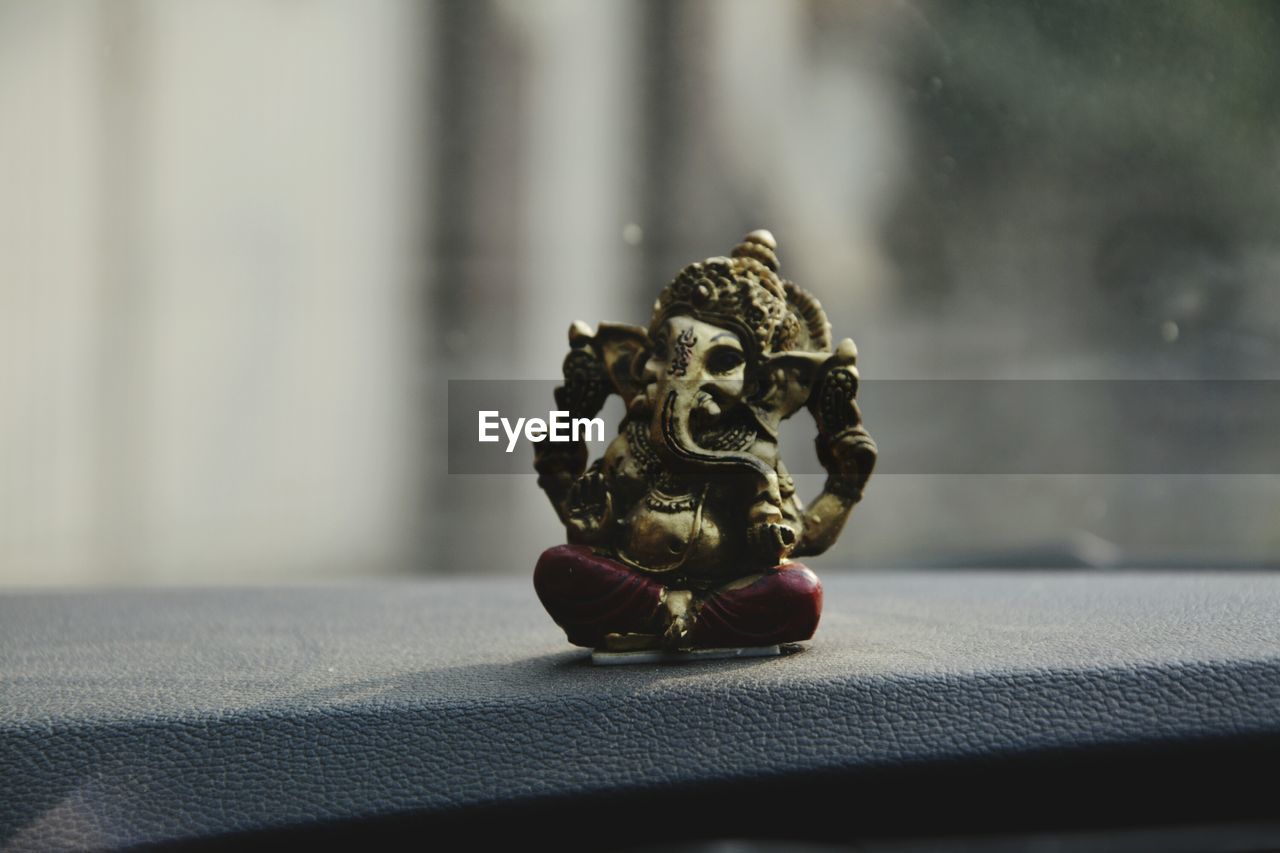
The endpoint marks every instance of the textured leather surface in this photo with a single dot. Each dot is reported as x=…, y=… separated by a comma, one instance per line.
x=150, y=716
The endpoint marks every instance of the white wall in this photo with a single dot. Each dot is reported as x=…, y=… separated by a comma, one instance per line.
x=207, y=212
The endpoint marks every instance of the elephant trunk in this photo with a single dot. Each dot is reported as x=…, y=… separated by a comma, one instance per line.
x=671, y=429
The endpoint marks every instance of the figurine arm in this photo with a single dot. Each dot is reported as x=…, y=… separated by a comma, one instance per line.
x=560, y=465
x=597, y=365
x=845, y=449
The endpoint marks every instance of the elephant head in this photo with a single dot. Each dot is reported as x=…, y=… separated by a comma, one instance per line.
x=733, y=350
x=695, y=383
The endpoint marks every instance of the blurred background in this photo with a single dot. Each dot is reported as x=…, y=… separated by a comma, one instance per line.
x=245, y=245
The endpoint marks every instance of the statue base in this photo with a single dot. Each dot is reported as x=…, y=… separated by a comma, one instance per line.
x=604, y=657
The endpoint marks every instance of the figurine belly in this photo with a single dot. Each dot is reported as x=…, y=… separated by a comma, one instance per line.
x=679, y=536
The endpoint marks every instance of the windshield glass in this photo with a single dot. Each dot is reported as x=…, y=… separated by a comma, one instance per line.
x=246, y=247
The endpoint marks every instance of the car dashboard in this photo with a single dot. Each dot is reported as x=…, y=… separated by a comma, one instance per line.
x=962, y=707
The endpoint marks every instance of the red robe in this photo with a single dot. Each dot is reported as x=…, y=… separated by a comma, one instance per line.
x=589, y=596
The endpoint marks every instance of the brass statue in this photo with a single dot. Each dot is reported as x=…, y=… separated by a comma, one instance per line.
x=681, y=535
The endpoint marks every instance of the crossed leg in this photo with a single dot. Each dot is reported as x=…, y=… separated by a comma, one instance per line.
x=591, y=596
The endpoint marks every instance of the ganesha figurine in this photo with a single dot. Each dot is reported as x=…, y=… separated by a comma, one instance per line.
x=682, y=536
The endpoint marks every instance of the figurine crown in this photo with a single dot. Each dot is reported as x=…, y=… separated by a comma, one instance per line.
x=761, y=245
x=744, y=292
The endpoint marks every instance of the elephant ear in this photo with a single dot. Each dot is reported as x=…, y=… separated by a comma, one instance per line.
x=621, y=349
x=784, y=383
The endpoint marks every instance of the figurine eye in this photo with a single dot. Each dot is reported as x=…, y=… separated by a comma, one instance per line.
x=660, y=349
x=724, y=360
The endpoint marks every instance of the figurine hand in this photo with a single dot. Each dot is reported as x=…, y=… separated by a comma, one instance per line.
x=853, y=458
x=589, y=502
x=771, y=540
x=585, y=384
x=589, y=490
